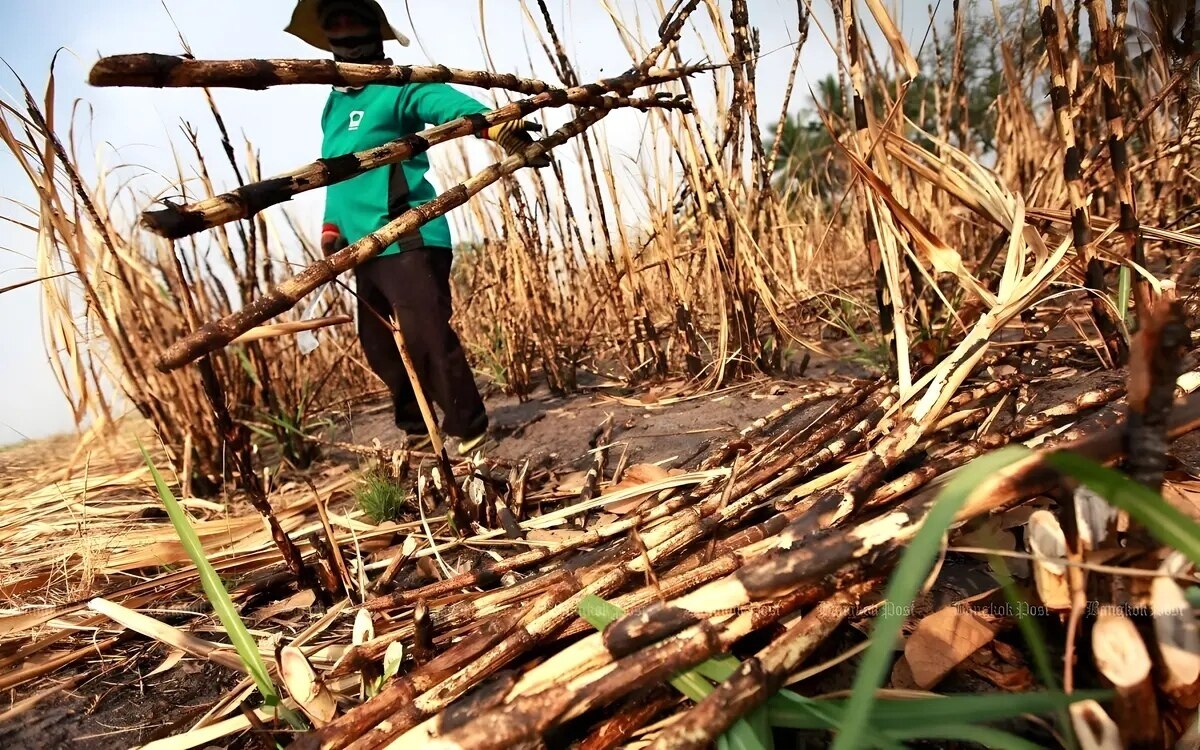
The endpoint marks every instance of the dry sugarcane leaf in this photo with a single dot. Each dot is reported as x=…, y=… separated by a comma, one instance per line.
x=571, y=484
x=636, y=476
x=1001, y=665
x=944, y=640
x=300, y=600
x=1183, y=492
x=174, y=656
x=902, y=676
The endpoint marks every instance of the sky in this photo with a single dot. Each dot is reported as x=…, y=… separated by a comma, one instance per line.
x=136, y=128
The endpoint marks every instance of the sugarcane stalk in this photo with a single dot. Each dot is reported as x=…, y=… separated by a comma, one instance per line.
x=237, y=438
x=1122, y=658
x=489, y=575
x=1154, y=366
x=152, y=70
x=217, y=334
x=808, y=398
x=476, y=609
x=401, y=692
x=595, y=473
x=1081, y=233
x=553, y=611
x=775, y=575
x=422, y=634
x=1105, y=42
x=527, y=715
x=759, y=677
x=638, y=709
x=863, y=147
x=176, y=221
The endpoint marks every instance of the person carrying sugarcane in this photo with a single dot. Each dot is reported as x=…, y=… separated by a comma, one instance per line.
x=409, y=281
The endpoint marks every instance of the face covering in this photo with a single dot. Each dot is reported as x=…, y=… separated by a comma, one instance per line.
x=359, y=42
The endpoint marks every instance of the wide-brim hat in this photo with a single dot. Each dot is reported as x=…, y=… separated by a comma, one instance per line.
x=306, y=24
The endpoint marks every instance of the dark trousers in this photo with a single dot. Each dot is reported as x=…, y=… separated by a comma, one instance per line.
x=413, y=288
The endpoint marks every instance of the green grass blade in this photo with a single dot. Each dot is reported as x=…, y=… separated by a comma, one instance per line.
x=793, y=711
x=214, y=589
x=597, y=612
x=956, y=709
x=988, y=737
x=719, y=668
x=751, y=732
x=1124, y=289
x=797, y=712
x=1167, y=523
x=1036, y=641
x=910, y=573
x=600, y=614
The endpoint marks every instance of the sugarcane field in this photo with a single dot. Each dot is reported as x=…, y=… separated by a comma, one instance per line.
x=664, y=374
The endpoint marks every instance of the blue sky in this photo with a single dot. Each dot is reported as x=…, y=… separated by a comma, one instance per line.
x=136, y=127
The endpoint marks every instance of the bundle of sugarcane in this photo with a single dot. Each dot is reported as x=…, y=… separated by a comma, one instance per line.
x=772, y=525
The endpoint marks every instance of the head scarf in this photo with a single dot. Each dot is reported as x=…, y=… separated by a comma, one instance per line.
x=361, y=47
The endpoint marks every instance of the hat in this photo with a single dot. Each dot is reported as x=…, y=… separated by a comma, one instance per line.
x=306, y=24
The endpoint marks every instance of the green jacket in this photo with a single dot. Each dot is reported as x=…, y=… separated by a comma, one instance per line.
x=359, y=119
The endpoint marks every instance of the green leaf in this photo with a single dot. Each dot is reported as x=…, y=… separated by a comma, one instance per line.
x=910, y=573
x=986, y=736
x=795, y=711
x=1193, y=596
x=1162, y=519
x=222, y=604
x=600, y=614
x=597, y=612
x=1036, y=643
x=1124, y=287
x=719, y=668
x=751, y=732
x=787, y=709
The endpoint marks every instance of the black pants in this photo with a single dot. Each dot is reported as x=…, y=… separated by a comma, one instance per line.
x=413, y=287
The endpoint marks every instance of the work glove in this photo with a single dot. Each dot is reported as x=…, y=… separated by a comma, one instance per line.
x=332, y=239
x=513, y=137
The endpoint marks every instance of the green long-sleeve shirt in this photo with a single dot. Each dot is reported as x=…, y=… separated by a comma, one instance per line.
x=358, y=119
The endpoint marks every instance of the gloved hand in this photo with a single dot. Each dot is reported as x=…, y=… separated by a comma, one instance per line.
x=332, y=239
x=513, y=137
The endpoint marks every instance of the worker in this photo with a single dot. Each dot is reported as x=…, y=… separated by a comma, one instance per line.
x=409, y=281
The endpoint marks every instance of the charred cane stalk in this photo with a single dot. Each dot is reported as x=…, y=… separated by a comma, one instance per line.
x=283, y=297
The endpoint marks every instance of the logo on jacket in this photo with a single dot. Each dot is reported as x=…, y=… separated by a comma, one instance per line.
x=356, y=118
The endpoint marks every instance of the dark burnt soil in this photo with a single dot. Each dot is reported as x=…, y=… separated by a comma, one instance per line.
x=122, y=708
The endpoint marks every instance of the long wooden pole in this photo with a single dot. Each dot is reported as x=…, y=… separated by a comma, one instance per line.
x=435, y=436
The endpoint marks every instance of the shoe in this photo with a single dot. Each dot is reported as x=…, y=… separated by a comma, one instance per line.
x=418, y=441
x=462, y=447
